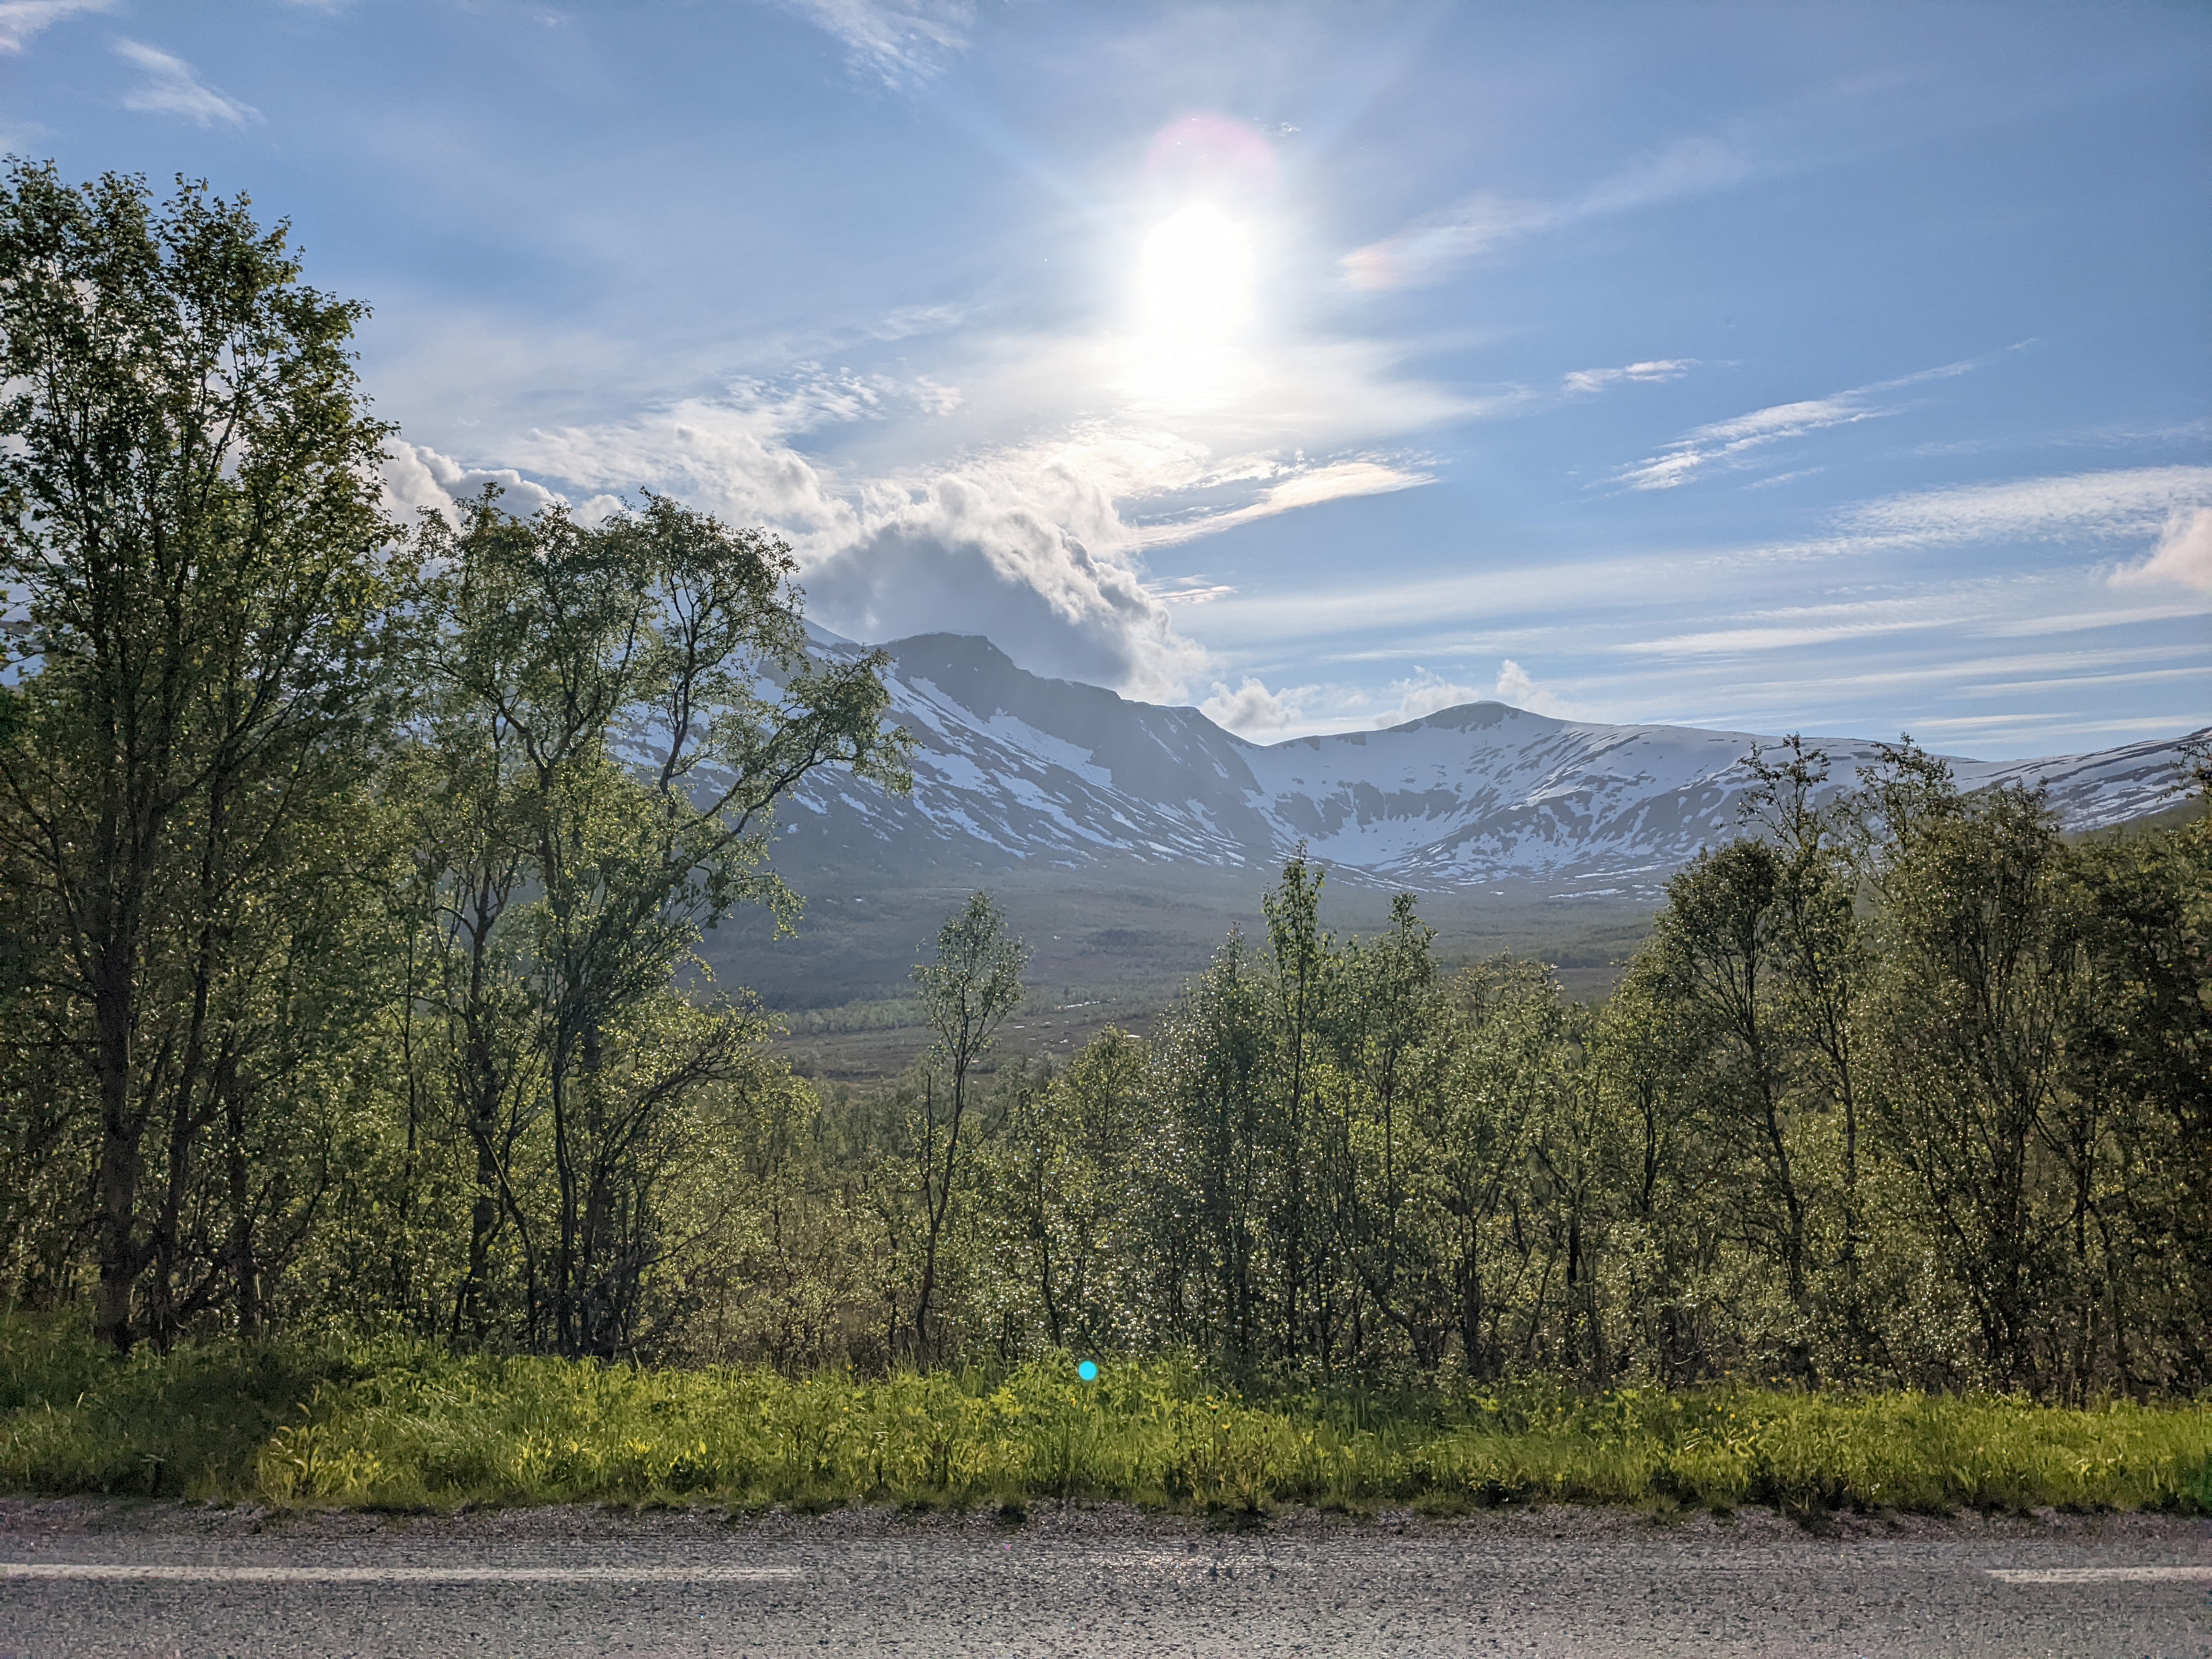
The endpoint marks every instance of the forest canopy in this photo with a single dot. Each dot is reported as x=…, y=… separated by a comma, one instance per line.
x=355, y=871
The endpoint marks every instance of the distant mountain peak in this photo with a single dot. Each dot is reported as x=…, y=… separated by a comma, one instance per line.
x=1015, y=769
x=1469, y=717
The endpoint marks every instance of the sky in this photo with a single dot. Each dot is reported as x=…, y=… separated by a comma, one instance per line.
x=1842, y=368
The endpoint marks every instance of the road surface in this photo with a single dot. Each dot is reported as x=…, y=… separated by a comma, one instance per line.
x=84, y=1580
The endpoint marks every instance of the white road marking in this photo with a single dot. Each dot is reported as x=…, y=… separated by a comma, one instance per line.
x=396, y=1574
x=2098, y=1575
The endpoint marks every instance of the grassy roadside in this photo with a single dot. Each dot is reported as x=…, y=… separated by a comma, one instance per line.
x=393, y=1426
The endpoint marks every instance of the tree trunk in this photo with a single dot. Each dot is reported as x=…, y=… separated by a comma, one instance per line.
x=117, y=1183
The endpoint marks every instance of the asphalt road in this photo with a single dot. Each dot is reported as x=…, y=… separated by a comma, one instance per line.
x=85, y=1580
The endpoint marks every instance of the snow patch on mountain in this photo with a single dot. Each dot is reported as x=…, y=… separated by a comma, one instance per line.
x=1013, y=769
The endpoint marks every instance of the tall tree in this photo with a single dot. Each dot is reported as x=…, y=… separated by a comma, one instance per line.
x=1720, y=940
x=189, y=532
x=1979, y=990
x=1212, y=1175
x=966, y=992
x=2139, y=1063
x=1301, y=958
x=617, y=710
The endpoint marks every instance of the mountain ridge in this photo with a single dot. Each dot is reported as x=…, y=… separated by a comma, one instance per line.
x=1017, y=771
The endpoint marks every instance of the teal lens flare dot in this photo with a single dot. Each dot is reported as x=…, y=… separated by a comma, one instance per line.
x=1087, y=1372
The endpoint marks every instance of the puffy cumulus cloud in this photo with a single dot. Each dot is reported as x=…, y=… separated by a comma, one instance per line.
x=1029, y=543
x=1024, y=545
x=1425, y=692
x=1037, y=542
x=172, y=88
x=417, y=478
x=1030, y=558
x=1252, y=710
x=2183, y=556
x=729, y=459
x=1516, y=685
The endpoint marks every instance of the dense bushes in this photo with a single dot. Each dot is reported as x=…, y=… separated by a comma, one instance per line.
x=404, y=1426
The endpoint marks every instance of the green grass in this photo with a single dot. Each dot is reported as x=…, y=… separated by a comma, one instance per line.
x=408, y=1427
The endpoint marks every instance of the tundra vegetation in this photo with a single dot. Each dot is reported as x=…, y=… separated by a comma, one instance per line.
x=374, y=1131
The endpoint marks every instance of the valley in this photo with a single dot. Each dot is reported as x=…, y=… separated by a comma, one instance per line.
x=1124, y=840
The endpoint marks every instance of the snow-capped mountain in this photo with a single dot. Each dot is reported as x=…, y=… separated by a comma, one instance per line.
x=1015, y=771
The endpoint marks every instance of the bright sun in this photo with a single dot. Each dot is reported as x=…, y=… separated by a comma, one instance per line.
x=1195, y=310
x=1194, y=280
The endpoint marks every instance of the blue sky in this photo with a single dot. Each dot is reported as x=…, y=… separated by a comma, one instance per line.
x=1843, y=368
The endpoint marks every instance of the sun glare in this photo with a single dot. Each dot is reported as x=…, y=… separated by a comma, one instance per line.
x=1194, y=307
x=1194, y=279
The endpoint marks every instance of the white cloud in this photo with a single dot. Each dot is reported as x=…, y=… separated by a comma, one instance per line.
x=1726, y=443
x=1029, y=543
x=1252, y=709
x=1192, y=590
x=2183, y=555
x=960, y=517
x=1793, y=627
x=20, y=20
x=1515, y=686
x=1031, y=556
x=1597, y=380
x=1024, y=544
x=2122, y=503
x=597, y=509
x=898, y=43
x=1309, y=488
x=1688, y=167
x=729, y=459
x=1424, y=692
x=1426, y=250
x=417, y=477
x=172, y=87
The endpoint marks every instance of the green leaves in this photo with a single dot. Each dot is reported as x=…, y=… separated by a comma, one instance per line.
x=611, y=713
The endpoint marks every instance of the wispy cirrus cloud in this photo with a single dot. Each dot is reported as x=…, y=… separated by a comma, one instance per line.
x=2115, y=504
x=899, y=42
x=1428, y=249
x=1303, y=486
x=171, y=86
x=21, y=20
x=1790, y=628
x=1584, y=380
x=1724, y=445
